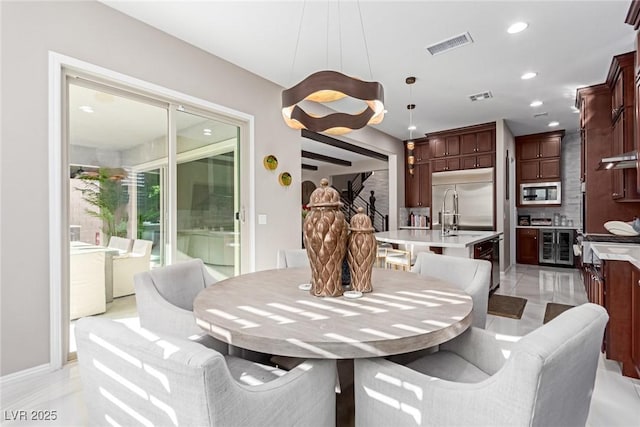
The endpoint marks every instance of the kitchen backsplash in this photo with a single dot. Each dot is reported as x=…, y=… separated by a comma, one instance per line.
x=406, y=212
x=571, y=192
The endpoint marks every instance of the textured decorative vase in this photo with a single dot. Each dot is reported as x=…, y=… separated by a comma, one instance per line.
x=361, y=252
x=325, y=235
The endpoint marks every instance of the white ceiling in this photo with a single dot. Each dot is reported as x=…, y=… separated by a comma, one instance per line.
x=568, y=43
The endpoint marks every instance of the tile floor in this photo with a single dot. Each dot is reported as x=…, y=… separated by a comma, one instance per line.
x=615, y=401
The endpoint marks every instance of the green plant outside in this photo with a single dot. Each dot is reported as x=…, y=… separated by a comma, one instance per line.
x=108, y=199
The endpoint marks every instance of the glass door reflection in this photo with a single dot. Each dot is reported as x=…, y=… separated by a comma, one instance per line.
x=208, y=193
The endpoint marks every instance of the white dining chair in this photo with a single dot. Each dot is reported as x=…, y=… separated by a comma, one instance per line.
x=133, y=376
x=289, y=258
x=482, y=378
x=471, y=275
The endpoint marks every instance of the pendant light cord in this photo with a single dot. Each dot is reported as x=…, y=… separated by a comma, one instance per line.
x=366, y=47
x=340, y=34
x=295, y=52
x=327, y=41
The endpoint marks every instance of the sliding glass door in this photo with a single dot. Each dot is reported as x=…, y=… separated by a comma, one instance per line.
x=207, y=193
x=150, y=183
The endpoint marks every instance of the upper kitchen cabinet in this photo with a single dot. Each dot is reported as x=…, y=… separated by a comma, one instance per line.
x=463, y=148
x=478, y=142
x=422, y=151
x=596, y=134
x=538, y=157
x=417, y=191
x=621, y=83
x=418, y=185
x=445, y=146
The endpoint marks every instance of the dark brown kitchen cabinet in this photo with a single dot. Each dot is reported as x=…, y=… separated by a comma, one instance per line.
x=463, y=148
x=540, y=146
x=538, y=157
x=527, y=246
x=635, y=318
x=621, y=80
x=596, y=139
x=539, y=170
x=617, y=176
x=445, y=164
x=422, y=152
x=479, y=142
x=618, y=296
x=479, y=161
x=418, y=186
x=445, y=146
x=593, y=284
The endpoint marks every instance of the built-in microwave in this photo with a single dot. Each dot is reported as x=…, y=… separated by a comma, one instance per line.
x=540, y=193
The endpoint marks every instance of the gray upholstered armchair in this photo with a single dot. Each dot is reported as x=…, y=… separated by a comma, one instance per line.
x=471, y=275
x=164, y=298
x=483, y=378
x=135, y=377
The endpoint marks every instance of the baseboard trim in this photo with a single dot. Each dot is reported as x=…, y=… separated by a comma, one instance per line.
x=26, y=374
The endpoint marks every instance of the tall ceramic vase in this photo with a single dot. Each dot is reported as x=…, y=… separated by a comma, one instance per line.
x=361, y=252
x=325, y=235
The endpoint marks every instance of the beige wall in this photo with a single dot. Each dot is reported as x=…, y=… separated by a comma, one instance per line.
x=505, y=211
x=94, y=33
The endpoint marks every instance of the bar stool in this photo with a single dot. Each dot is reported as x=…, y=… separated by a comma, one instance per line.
x=381, y=253
x=397, y=259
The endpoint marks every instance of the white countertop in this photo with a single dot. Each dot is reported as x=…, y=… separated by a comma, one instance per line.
x=618, y=252
x=464, y=239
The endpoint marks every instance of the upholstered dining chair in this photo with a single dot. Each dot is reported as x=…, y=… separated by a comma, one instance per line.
x=290, y=258
x=483, y=378
x=136, y=377
x=471, y=275
x=164, y=298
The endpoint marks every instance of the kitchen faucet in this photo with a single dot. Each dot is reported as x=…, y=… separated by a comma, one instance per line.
x=444, y=230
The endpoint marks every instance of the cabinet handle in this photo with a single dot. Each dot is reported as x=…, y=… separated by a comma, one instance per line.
x=638, y=282
x=615, y=194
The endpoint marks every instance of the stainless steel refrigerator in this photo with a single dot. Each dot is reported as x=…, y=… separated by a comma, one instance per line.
x=476, y=202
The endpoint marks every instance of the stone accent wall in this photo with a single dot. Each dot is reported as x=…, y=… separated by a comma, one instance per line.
x=379, y=183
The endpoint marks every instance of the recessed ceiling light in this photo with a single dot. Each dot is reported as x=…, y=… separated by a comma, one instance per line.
x=574, y=109
x=553, y=124
x=517, y=27
x=86, y=108
x=535, y=103
x=529, y=75
x=412, y=127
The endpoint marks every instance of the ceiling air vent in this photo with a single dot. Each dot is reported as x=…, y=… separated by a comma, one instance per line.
x=481, y=96
x=452, y=43
x=545, y=114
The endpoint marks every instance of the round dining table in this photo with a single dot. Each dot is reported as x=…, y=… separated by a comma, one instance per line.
x=271, y=312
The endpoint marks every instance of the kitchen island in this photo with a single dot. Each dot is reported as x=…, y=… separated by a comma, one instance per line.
x=460, y=244
x=468, y=244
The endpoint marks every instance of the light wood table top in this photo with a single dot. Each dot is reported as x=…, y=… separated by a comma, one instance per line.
x=266, y=312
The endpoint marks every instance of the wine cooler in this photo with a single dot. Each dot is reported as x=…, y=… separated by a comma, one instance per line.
x=556, y=246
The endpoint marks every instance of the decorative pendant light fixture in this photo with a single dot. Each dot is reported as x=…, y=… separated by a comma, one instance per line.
x=411, y=158
x=328, y=86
